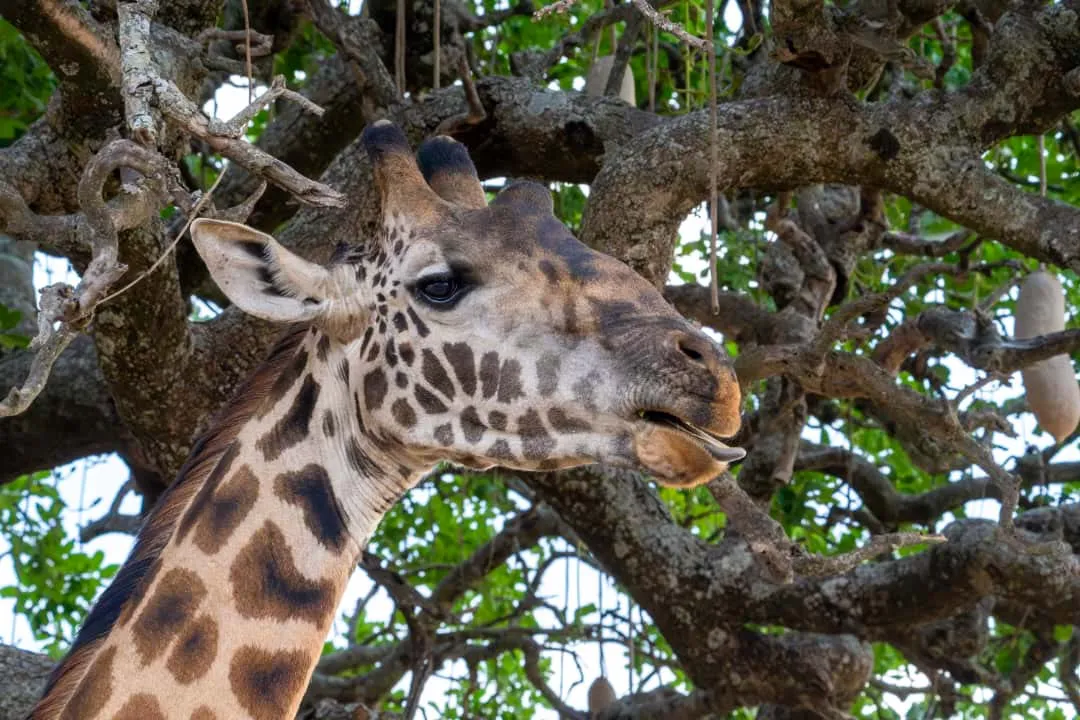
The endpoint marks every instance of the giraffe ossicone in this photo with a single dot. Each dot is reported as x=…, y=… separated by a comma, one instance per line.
x=483, y=334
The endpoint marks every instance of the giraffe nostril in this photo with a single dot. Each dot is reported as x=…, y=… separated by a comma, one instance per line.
x=690, y=348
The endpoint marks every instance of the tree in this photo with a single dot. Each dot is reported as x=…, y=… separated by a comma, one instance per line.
x=877, y=171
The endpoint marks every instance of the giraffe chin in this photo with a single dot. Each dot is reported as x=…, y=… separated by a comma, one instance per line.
x=676, y=459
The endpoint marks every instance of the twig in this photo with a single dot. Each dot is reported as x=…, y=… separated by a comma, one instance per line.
x=399, y=48
x=261, y=44
x=183, y=113
x=437, y=64
x=559, y=6
x=714, y=159
x=235, y=126
x=247, y=51
x=819, y=565
x=661, y=21
x=475, y=114
x=136, y=63
x=906, y=244
x=948, y=53
x=657, y=18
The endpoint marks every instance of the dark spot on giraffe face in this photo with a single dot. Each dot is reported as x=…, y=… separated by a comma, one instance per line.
x=547, y=374
x=176, y=598
x=141, y=706
x=548, y=268
x=401, y=380
x=323, y=348
x=373, y=352
x=461, y=360
x=489, y=374
x=195, y=650
x=374, y=389
x=613, y=314
x=435, y=373
x=294, y=426
x=565, y=424
x=407, y=353
x=444, y=434
x=429, y=401
x=500, y=450
x=267, y=684
x=536, y=442
x=400, y=323
x=203, y=713
x=497, y=420
x=471, y=425
x=285, y=381
x=267, y=584
x=391, y=354
x=206, y=491
x=510, y=387
x=309, y=489
x=328, y=425
x=94, y=690
x=580, y=260
x=226, y=510
x=403, y=413
x=360, y=461
x=585, y=390
x=570, y=318
x=366, y=339
x=421, y=328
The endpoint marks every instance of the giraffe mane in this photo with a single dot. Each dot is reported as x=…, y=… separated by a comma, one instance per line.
x=158, y=529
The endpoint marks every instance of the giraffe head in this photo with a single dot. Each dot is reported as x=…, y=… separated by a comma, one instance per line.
x=487, y=334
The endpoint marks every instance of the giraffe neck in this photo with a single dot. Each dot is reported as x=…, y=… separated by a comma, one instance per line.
x=244, y=561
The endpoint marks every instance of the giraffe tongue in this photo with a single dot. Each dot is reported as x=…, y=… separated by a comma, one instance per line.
x=714, y=447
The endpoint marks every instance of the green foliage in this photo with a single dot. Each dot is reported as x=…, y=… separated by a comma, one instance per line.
x=26, y=83
x=9, y=320
x=56, y=580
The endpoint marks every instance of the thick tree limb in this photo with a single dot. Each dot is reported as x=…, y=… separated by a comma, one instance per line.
x=82, y=53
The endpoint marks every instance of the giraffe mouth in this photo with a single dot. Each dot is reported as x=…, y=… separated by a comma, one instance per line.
x=704, y=439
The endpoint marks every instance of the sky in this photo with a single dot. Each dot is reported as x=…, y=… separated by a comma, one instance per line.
x=88, y=488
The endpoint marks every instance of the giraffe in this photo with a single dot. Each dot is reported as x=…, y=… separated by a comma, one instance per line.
x=480, y=334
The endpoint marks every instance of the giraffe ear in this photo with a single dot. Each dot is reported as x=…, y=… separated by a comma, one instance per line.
x=260, y=275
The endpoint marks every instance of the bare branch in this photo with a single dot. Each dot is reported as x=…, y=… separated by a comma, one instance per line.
x=137, y=63
x=221, y=138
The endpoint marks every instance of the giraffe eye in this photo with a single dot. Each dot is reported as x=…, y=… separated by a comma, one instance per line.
x=438, y=289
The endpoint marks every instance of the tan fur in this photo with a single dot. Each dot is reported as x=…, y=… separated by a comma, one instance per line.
x=159, y=528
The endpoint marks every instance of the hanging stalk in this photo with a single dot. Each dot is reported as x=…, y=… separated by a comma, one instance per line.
x=399, y=48
x=714, y=157
x=654, y=66
x=438, y=43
